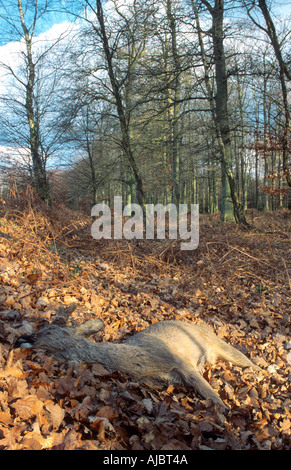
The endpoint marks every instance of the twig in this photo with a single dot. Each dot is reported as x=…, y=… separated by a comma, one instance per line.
x=167, y=248
x=287, y=273
x=132, y=257
x=225, y=255
x=257, y=259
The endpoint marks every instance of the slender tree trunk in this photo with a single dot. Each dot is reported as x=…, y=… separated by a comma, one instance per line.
x=242, y=153
x=175, y=114
x=265, y=143
x=222, y=116
x=218, y=105
x=39, y=172
x=284, y=73
x=92, y=169
x=256, y=174
x=124, y=125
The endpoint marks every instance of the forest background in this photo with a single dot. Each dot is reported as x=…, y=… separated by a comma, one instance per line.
x=158, y=102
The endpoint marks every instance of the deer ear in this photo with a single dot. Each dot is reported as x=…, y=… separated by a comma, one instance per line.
x=25, y=341
x=63, y=314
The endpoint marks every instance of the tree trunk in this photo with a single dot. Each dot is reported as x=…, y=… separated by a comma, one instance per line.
x=242, y=153
x=284, y=73
x=120, y=108
x=218, y=104
x=175, y=114
x=39, y=172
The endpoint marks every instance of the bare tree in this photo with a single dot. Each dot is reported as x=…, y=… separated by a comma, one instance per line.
x=110, y=51
x=284, y=73
x=219, y=103
x=31, y=88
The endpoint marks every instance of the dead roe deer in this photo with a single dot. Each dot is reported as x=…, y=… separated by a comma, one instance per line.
x=168, y=352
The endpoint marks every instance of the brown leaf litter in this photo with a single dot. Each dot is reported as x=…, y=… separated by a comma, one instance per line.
x=237, y=281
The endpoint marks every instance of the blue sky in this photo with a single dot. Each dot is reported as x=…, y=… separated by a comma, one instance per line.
x=9, y=16
x=57, y=14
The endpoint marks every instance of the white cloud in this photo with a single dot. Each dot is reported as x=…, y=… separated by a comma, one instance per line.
x=10, y=53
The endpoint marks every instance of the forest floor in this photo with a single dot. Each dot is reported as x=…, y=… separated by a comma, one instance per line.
x=237, y=281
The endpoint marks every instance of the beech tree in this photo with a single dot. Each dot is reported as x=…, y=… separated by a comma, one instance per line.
x=117, y=84
x=33, y=80
x=219, y=103
x=26, y=29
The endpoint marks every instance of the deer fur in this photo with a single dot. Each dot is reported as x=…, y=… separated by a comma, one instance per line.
x=164, y=353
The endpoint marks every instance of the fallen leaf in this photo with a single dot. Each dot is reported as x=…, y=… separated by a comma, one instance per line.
x=56, y=414
x=5, y=418
x=286, y=424
x=35, y=441
x=32, y=278
x=28, y=406
x=107, y=412
x=16, y=387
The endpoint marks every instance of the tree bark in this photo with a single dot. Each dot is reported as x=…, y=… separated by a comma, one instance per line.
x=124, y=126
x=218, y=105
x=39, y=172
x=176, y=86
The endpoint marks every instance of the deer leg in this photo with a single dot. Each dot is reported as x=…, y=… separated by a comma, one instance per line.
x=89, y=327
x=63, y=314
x=192, y=378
